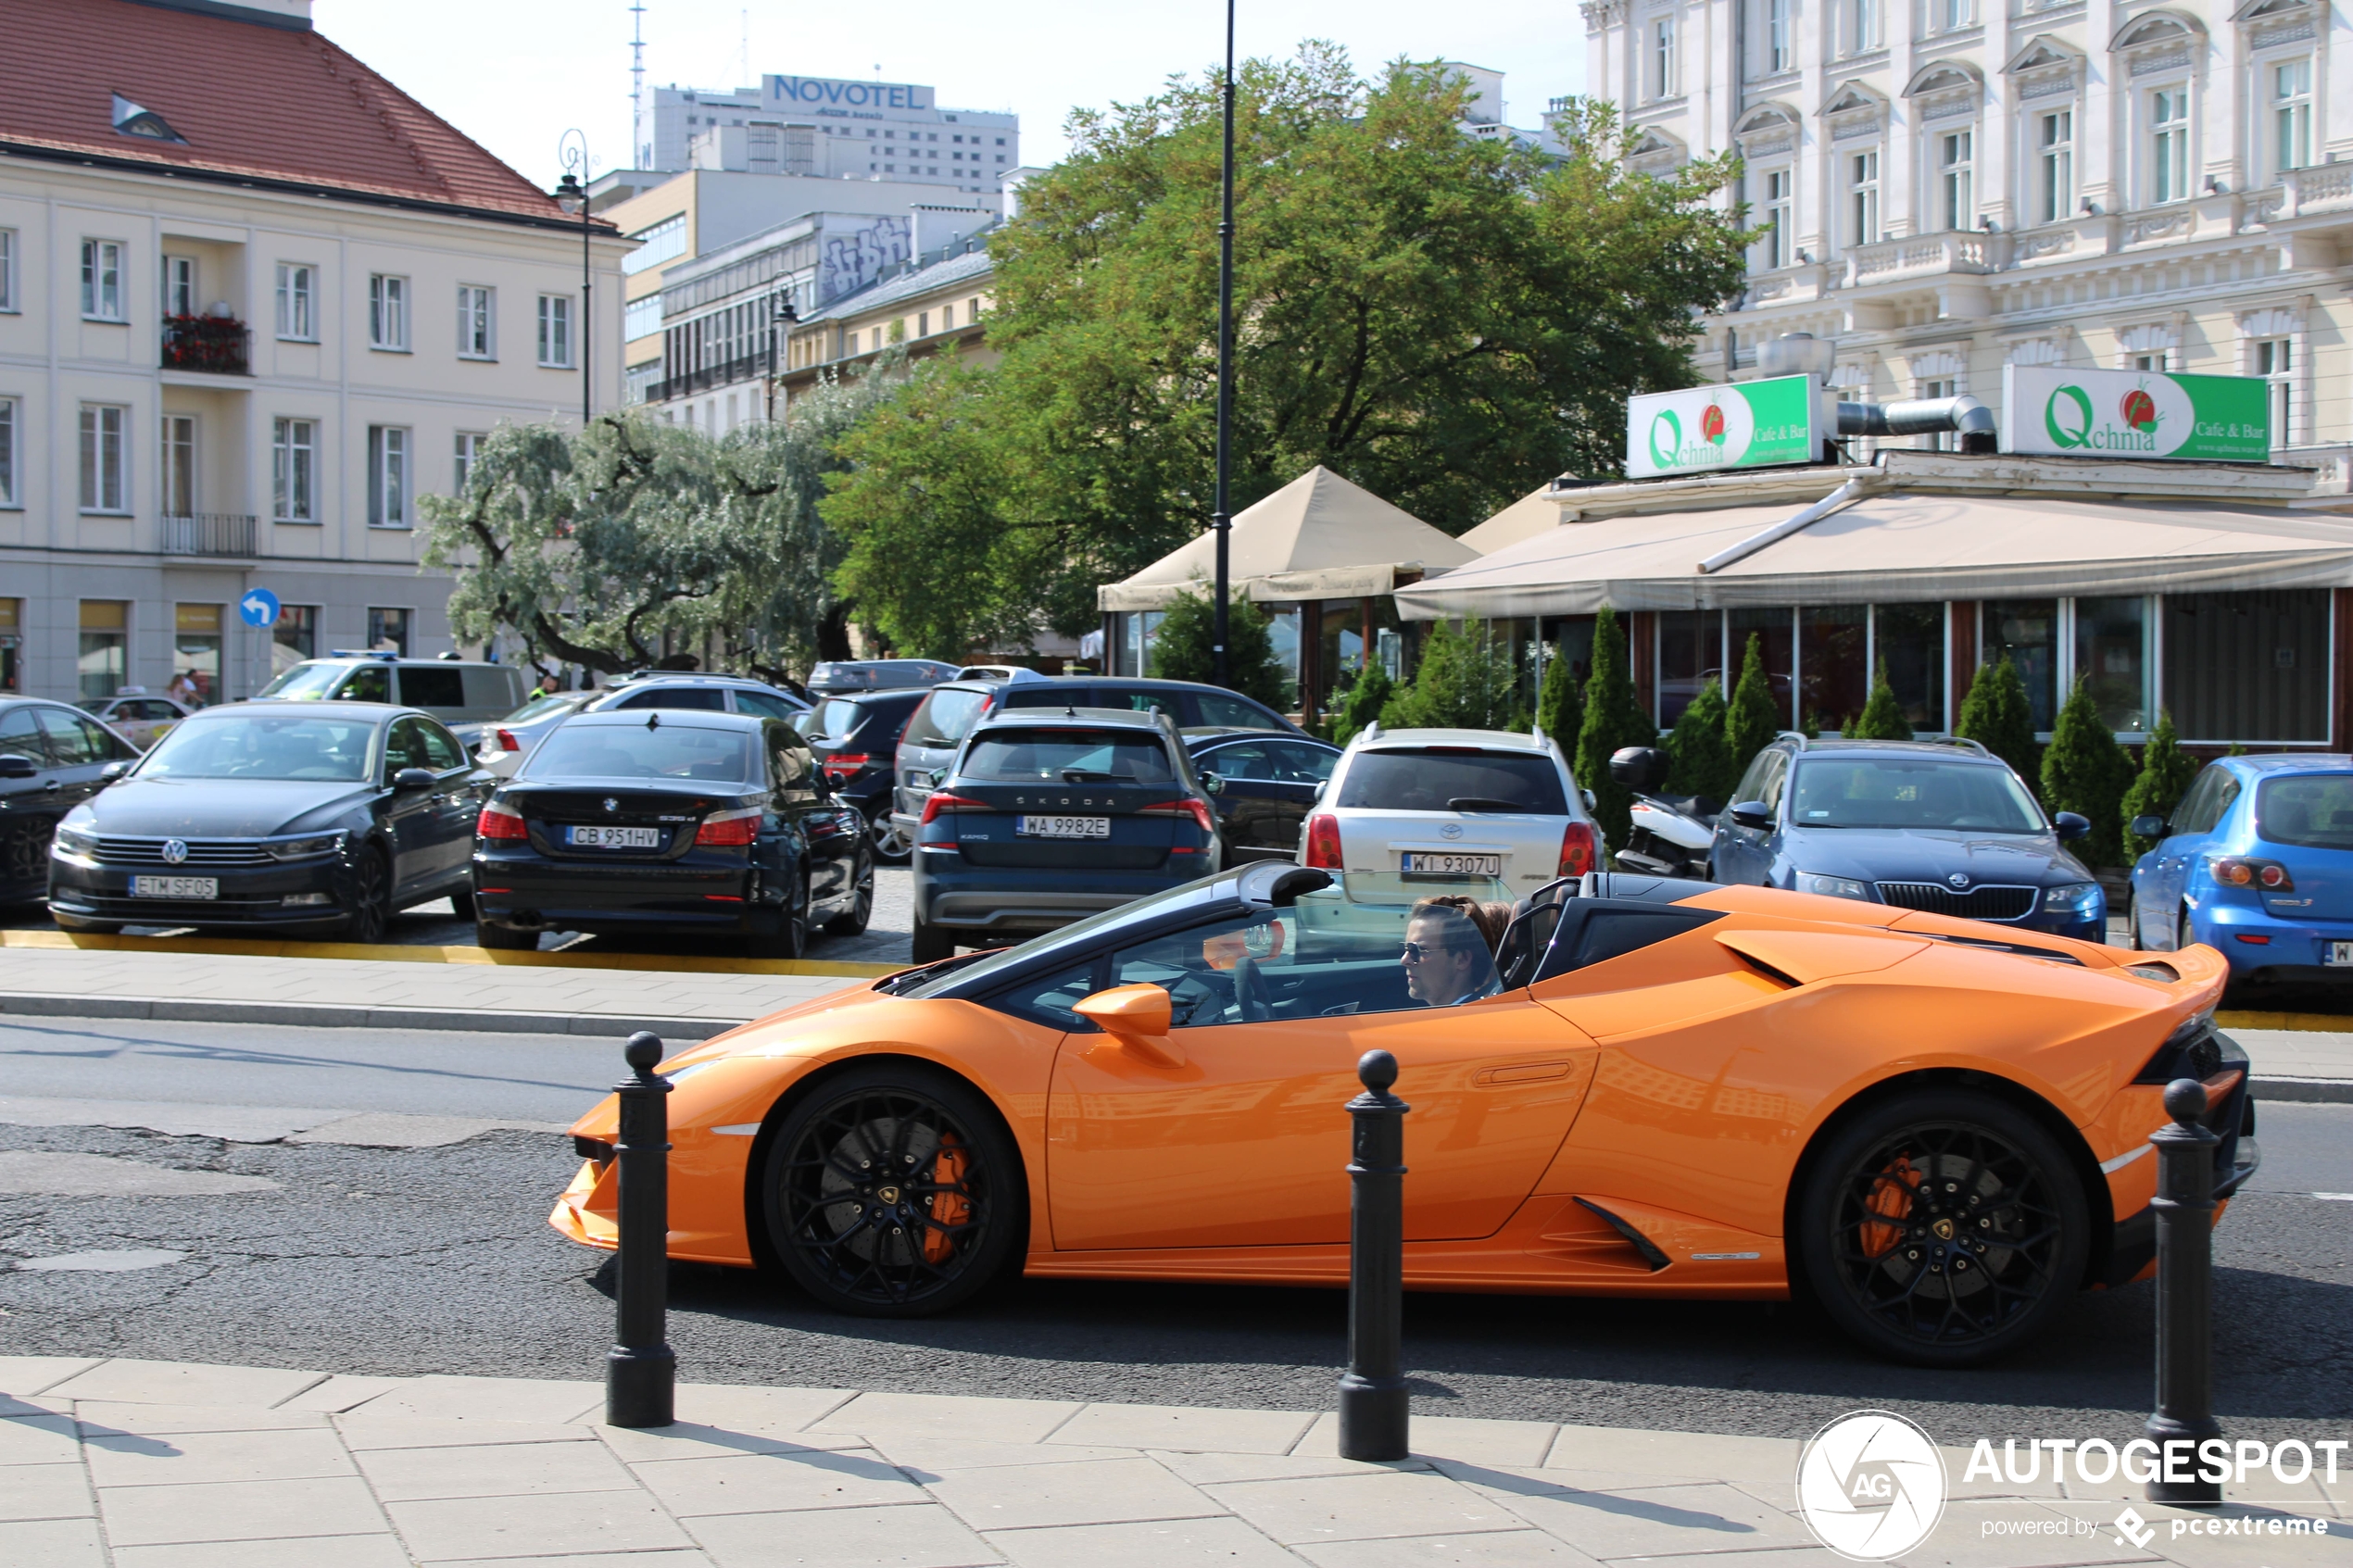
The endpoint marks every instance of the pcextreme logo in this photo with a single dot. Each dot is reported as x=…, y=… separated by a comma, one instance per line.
x=1870, y=1486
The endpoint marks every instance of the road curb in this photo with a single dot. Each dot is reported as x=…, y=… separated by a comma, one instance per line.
x=243, y=948
x=2312, y=1091
x=312, y=1015
x=2307, y=1022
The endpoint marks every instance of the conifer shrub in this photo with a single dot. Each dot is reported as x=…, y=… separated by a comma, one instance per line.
x=2085, y=771
x=1997, y=715
x=2165, y=775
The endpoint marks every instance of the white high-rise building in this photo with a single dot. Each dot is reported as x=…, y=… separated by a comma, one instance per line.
x=1945, y=187
x=831, y=127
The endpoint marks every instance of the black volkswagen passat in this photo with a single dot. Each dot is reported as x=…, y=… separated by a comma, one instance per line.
x=313, y=818
x=676, y=823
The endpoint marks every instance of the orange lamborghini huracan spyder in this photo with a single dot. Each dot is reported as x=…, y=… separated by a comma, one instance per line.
x=1935, y=1128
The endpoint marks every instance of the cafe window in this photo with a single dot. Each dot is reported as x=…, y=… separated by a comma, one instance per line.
x=2111, y=659
x=294, y=638
x=2249, y=666
x=388, y=630
x=105, y=636
x=195, y=650
x=1691, y=654
x=2027, y=630
x=1775, y=629
x=1907, y=642
x=11, y=643
x=1833, y=665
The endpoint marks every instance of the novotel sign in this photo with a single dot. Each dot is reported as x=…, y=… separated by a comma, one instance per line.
x=827, y=92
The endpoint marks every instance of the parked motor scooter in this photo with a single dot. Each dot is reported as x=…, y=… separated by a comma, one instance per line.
x=1672, y=832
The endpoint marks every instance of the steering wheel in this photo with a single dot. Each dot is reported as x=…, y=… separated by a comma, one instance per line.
x=1251, y=995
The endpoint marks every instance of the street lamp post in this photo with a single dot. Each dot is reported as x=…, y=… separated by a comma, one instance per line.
x=1219, y=522
x=572, y=195
x=781, y=314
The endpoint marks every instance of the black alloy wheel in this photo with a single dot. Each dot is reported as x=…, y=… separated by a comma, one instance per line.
x=1943, y=1227
x=852, y=921
x=372, y=897
x=893, y=1191
x=791, y=938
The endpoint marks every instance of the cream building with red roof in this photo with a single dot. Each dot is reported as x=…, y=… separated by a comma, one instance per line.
x=254, y=301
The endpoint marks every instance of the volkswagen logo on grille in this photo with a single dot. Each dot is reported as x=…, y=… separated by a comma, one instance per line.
x=1957, y=880
x=174, y=851
x=613, y=803
x=1451, y=829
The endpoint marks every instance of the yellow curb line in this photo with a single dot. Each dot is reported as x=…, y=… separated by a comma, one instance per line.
x=2316, y=1022
x=388, y=953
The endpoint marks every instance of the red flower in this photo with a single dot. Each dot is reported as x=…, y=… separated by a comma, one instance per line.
x=2140, y=410
x=1711, y=424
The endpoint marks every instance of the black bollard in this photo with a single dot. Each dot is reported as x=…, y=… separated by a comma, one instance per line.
x=2185, y=1205
x=641, y=1371
x=1372, y=1391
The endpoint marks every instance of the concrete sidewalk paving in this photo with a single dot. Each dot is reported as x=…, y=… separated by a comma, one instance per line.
x=157, y=1464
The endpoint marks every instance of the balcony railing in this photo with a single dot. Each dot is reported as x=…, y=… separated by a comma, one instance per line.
x=750, y=366
x=208, y=533
x=1892, y=260
x=215, y=344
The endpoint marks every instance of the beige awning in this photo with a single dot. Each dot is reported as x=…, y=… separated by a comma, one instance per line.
x=1524, y=519
x=1893, y=547
x=1318, y=538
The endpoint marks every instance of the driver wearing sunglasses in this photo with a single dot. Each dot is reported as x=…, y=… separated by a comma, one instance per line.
x=1445, y=957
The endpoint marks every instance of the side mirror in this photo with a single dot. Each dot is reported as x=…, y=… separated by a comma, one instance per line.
x=412, y=778
x=2072, y=824
x=1753, y=814
x=1138, y=1017
x=2150, y=827
x=1211, y=783
x=15, y=767
x=113, y=770
x=1589, y=801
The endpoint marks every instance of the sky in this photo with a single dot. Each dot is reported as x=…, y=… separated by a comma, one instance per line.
x=516, y=74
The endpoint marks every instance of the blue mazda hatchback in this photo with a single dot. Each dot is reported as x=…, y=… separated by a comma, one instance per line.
x=2258, y=861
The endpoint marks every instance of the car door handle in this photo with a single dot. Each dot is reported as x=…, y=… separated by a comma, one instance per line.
x=52, y=786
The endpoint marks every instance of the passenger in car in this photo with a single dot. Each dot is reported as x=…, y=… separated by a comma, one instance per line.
x=1446, y=955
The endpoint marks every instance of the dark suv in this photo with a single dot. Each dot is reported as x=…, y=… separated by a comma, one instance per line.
x=1927, y=825
x=855, y=739
x=1046, y=817
x=951, y=710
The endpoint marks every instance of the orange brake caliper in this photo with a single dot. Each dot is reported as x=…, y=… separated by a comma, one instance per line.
x=949, y=1208
x=1893, y=1197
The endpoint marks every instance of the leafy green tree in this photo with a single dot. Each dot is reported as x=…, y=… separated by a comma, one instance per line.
x=1883, y=716
x=1446, y=321
x=1361, y=702
x=1560, y=704
x=2085, y=771
x=1186, y=648
x=2165, y=775
x=1465, y=681
x=1997, y=716
x=1752, y=718
x=1613, y=718
x=1702, y=759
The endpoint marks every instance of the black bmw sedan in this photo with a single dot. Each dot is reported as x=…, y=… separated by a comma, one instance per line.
x=307, y=819
x=669, y=822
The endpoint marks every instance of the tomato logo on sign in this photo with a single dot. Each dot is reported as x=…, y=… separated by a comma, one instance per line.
x=1711, y=424
x=2139, y=411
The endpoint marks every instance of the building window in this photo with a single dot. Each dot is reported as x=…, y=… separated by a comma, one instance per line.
x=387, y=312
x=2291, y=114
x=297, y=301
x=923, y=323
x=1955, y=179
x=468, y=449
x=2153, y=363
x=1778, y=209
x=179, y=285
x=2054, y=166
x=1859, y=19
x=2250, y=666
x=388, y=477
x=1953, y=15
x=2027, y=630
x=2274, y=361
x=294, y=638
x=101, y=281
x=7, y=268
x=294, y=469
x=2112, y=660
x=388, y=630
x=656, y=244
x=1662, y=58
x=176, y=478
x=106, y=482
x=475, y=336
x=642, y=319
x=555, y=331
x=8, y=451
x=2169, y=144
x=971, y=310
x=947, y=318
x=1778, y=55
x=1862, y=198
x=196, y=649
x=106, y=636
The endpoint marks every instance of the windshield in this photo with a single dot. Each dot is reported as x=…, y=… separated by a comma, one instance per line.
x=305, y=682
x=540, y=707
x=262, y=745
x=1063, y=755
x=1447, y=778
x=2314, y=811
x=837, y=719
x=1880, y=792
x=946, y=717
x=1074, y=936
x=632, y=752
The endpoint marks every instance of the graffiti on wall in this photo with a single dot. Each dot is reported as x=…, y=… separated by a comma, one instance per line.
x=858, y=252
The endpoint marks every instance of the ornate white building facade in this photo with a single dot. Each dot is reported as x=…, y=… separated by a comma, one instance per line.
x=1945, y=187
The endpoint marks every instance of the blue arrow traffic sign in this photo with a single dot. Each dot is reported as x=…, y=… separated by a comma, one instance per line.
x=258, y=607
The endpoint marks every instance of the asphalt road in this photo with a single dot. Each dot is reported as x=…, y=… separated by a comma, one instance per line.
x=409, y=1261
